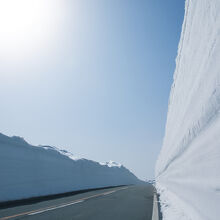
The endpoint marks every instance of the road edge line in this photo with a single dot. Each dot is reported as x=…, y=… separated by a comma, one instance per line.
x=156, y=213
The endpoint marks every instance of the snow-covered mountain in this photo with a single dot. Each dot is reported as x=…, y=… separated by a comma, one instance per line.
x=29, y=171
x=188, y=167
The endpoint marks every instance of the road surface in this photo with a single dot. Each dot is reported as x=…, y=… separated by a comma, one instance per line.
x=120, y=203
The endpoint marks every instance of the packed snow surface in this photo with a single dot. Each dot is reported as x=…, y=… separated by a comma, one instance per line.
x=29, y=171
x=188, y=167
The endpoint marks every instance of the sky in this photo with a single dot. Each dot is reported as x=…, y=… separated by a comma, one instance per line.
x=90, y=76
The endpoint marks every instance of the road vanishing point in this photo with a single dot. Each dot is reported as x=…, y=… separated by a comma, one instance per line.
x=118, y=203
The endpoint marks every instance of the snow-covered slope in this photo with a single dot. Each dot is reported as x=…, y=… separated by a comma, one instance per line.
x=29, y=171
x=188, y=167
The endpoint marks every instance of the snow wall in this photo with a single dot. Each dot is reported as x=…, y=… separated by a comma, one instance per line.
x=28, y=171
x=188, y=167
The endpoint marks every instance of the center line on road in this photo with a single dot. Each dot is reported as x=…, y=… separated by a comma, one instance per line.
x=57, y=207
x=107, y=193
x=35, y=212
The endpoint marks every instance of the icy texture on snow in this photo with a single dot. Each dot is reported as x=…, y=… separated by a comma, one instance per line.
x=29, y=171
x=188, y=167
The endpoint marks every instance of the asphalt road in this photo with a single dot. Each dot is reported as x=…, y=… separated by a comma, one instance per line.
x=120, y=203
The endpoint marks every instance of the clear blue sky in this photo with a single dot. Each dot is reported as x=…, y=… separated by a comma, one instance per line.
x=100, y=86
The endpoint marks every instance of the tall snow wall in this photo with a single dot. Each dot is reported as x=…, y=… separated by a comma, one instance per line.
x=188, y=167
x=28, y=171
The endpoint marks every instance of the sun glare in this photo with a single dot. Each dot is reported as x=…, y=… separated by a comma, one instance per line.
x=26, y=26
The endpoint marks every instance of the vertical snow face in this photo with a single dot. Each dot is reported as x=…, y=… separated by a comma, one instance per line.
x=29, y=171
x=188, y=167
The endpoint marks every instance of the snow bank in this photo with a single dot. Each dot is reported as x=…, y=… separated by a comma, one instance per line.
x=188, y=167
x=29, y=171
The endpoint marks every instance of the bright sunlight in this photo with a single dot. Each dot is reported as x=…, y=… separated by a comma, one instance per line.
x=27, y=26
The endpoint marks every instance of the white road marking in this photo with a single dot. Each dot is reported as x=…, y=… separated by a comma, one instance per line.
x=57, y=207
x=110, y=192
x=35, y=212
x=72, y=203
x=107, y=193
